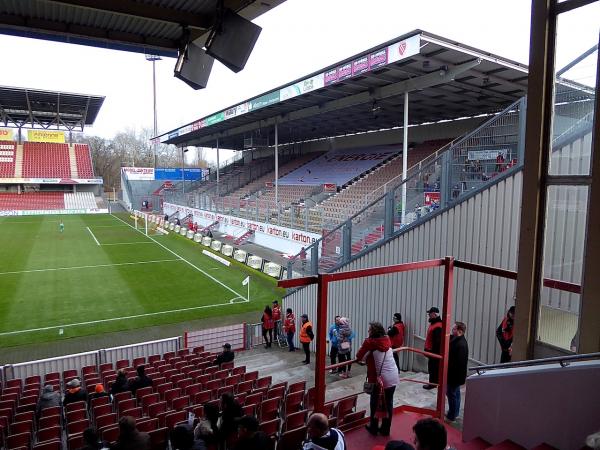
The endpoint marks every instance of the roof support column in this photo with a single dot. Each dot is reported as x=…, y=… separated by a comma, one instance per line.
x=218, y=169
x=404, y=156
x=277, y=170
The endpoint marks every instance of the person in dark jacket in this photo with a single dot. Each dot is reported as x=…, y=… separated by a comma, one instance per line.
x=91, y=441
x=433, y=344
x=120, y=384
x=458, y=358
x=182, y=438
x=141, y=381
x=504, y=333
x=321, y=436
x=48, y=399
x=98, y=392
x=226, y=356
x=430, y=434
x=230, y=412
x=396, y=333
x=74, y=392
x=249, y=438
x=267, y=326
x=129, y=436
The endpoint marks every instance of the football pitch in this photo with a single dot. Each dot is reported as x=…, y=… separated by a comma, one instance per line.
x=102, y=275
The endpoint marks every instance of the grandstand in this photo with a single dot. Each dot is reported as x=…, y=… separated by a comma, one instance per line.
x=43, y=173
x=495, y=203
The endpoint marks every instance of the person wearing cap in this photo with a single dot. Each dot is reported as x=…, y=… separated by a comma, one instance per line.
x=98, y=392
x=321, y=436
x=396, y=333
x=306, y=336
x=74, y=392
x=142, y=380
x=504, y=333
x=433, y=344
x=249, y=437
x=458, y=359
x=48, y=399
x=225, y=356
x=289, y=328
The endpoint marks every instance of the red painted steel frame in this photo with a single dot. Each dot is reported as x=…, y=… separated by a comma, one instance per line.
x=449, y=264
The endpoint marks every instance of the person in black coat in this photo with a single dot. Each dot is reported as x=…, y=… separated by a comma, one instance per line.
x=226, y=356
x=142, y=380
x=458, y=358
x=74, y=393
x=433, y=344
x=120, y=384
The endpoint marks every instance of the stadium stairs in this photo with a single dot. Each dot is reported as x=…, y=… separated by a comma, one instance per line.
x=244, y=237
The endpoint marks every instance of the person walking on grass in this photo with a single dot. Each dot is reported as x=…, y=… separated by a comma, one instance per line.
x=267, y=326
x=61, y=227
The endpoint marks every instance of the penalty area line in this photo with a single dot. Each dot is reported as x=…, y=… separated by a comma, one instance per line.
x=180, y=257
x=88, y=228
x=114, y=319
x=90, y=267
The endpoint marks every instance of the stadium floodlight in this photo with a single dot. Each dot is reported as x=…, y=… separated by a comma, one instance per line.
x=154, y=58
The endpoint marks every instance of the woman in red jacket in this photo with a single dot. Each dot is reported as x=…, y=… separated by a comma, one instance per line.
x=376, y=350
x=267, y=326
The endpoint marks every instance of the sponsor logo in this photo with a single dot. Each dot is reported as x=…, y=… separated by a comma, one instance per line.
x=402, y=48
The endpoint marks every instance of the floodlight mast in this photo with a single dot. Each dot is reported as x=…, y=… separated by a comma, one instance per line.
x=154, y=58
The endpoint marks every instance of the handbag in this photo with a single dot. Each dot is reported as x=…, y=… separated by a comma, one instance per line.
x=369, y=388
x=345, y=345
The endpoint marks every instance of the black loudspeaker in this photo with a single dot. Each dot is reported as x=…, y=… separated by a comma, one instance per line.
x=193, y=66
x=232, y=40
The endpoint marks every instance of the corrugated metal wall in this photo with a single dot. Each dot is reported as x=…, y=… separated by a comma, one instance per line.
x=483, y=229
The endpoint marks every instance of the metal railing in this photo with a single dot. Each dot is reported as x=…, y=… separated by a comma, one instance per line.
x=563, y=361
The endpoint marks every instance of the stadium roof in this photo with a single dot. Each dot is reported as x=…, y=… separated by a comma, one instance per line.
x=21, y=107
x=146, y=26
x=445, y=80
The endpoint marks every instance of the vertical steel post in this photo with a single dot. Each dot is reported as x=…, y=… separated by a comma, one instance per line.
x=446, y=329
x=321, y=346
x=155, y=117
x=388, y=224
x=347, y=241
x=404, y=157
x=218, y=169
x=277, y=170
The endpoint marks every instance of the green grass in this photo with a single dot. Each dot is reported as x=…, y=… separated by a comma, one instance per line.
x=128, y=275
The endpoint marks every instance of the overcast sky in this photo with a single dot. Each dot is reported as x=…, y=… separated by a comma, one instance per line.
x=298, y=37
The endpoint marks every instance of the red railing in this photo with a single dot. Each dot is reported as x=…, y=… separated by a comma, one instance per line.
x=449, y=263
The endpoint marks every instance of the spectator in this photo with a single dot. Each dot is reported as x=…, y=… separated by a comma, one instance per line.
x=457, y=368
x=321, y=437
x=91, y=441
x=306, y=336
x=230, y=412
x=226, y=356
x=396, y=333
x=430, y=434
x=267, y=326
x=74, y=392
x=382, y=373
x=120, y=384
x=504, y=333
x=207, y=428
x=289, y=327
x=141, y=381
x=276, y=309
x=98, y=392
x=182, y=438
x=48, y=399
x=344, y=343
x=433, y=344
x=249, y=438
x=303, y=257
x=129, y=436
x=333, y=351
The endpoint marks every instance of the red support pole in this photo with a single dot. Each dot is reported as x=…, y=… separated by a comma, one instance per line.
x=321, y=336
x=446, y=329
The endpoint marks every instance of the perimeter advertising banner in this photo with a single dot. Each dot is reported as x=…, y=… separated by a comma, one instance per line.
x=6, y=134
x=138, y=173
x=57, y=137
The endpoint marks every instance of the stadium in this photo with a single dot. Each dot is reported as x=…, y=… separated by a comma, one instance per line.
x=421, y=178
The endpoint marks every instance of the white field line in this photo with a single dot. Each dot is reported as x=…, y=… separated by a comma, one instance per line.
x=88, y=267
x=113, y=319
x=183, y=259
x=88, y=228
x=128, y=243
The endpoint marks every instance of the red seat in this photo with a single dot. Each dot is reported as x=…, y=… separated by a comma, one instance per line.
x=33, y=379
x=120, y=396
x=251, y=376
x=245, y=386
x=49, y=434
x=180, y=403
x=158, y=438
x=292, y=438
x=124, y=405
x=75, y=441
x=77, y=415
x=147, y=425
x=269, y=409
x=149, y=400
x=122, y=363
x=101, y=410
x=68, y=375
x=174, y=418
x=48, y=445
x=105, y=366
x=155, y=409
x=296, y=387
x=136, y=413
x=105, y=420
x=263, y=382
x=75, y=406
x=88, y=370
x=110, y=434
x=293, y=402
x=171, y=394
x=142, y=392
x=48, y=422
x=250, y=409
x=78, y=426
x=16, y=382
x=241, y=370
x=24, y=417
x=295, y=420
x=254, y=398
x=270, y=428
x=138, y=361
x=21, y=427
x=202, y=397
x=344, y=407
x=17, y=441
